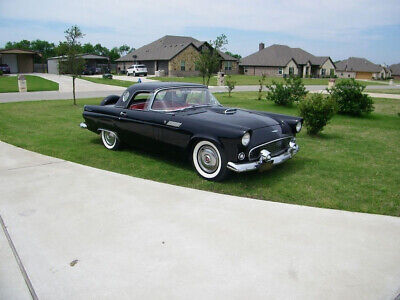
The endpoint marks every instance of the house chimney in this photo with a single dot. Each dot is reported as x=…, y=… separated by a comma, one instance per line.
x=261, y=46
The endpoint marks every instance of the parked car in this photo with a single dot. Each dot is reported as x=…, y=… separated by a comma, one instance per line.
x=137, y=70
x=91, y=71
x=5, y=68
x=188, y=117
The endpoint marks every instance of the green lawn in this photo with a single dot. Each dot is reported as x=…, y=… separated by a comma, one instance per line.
x=354, y=165
x=253, y=80
x=384, y=91
x=124, y=83
x=33, y=83
x=8, y=84
x=36, y=83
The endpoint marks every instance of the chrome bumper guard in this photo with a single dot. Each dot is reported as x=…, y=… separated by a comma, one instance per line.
x=265, y=158
x=83, y=125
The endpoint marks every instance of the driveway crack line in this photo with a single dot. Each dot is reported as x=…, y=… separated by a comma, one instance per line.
x=19, y=262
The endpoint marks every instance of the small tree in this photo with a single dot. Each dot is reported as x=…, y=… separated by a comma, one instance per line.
x=72, y=64
x=230, y=83
x=349, y=96
x=316, y=110
x=261, y=82
x=287, y=92
x=297, y=89
x=209, y=59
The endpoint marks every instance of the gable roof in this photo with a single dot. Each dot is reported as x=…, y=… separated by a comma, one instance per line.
x=279, y=55
x=166, y=48
x=82, y=55
x=19, y=51
x=357, y=64
x=395, y=69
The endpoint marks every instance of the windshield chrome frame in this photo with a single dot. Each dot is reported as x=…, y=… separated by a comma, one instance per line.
x=156, y=91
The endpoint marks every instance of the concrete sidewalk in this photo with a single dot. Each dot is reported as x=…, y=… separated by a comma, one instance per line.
x=84, y=233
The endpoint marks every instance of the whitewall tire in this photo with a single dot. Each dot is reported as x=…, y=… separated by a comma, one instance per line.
x=110, y=140
x=209, y=161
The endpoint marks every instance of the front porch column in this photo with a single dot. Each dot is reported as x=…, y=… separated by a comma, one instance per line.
x=304, y=71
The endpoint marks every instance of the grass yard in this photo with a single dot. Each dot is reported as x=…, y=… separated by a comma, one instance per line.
x=253, y=80
x=33, y=84
x=8, y=84
x=384, y=91
x=36, y=83
x=124, y=83
x=354, y=165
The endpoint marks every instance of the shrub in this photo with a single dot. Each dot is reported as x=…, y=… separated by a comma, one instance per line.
x=296, y=87
x=316, y=110
x=279, y=93
x=292, y=90
x=230, y=83
x=261, y=82
x=1, y=72
x=350, y=99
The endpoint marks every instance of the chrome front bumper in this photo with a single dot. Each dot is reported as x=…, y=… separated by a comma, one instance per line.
x=265, y=158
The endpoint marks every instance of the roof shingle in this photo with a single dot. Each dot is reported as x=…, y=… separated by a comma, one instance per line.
x=166, y=48
x=279, y=55
x=357, y=64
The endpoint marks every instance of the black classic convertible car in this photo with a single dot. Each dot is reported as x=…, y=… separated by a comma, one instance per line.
x=187, y=116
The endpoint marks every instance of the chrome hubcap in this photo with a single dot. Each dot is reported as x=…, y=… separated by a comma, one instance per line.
x=110, y=138
x=208, y=159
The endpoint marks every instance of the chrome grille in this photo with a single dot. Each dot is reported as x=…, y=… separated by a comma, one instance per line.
x=275, y=148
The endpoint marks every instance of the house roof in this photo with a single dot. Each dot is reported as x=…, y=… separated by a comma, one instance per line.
x=395, y=69
x=84, y=56
x=19, y=51
x=166, y=48
x=357, y=64
x=279, y=55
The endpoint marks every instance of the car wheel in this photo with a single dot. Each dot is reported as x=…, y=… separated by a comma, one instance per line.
x=127, y=74
x=110, y=140
x=209, y=161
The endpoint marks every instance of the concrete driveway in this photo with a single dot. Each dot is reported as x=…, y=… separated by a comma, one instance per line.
x=84, y=233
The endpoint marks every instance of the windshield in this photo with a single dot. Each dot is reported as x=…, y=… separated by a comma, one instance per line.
x=183, y=98
x=140, y=66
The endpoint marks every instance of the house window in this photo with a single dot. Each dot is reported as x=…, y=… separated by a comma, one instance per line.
x=323, y=72
x=291, y=70
x=280, y=71
x=228, y=65
x=332, y=72
x=183, y=68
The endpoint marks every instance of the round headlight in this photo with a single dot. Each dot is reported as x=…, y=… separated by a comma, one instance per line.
x=298, y=126
x=246, y=139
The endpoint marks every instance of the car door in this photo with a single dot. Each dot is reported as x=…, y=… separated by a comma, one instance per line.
x=135, y=123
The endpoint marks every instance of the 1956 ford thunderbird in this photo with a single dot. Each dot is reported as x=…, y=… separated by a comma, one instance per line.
x=189, y=117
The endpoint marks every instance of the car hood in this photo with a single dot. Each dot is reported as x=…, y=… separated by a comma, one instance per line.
x=225, y=116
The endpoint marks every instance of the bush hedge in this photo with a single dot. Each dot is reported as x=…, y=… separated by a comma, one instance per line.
x=316, y=110
x=350, y=99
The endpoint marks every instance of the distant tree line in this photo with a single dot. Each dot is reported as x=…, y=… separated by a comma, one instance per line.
x=48, y=49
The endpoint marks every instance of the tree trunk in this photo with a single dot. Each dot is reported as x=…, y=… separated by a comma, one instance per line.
x=73, y=88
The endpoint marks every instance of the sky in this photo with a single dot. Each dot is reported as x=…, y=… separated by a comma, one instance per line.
x=334, y=28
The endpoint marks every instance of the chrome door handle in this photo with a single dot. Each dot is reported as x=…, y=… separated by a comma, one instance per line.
x=122, y=114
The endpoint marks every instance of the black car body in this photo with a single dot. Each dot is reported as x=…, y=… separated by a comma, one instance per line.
x=188, y=117
x=5, y=68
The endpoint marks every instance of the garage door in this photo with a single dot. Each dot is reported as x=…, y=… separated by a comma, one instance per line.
x=11, y=61
x=363, y=75
x=52, y=66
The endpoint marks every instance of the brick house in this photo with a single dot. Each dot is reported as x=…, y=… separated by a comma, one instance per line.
x=176, y=55
x=358, y=68
x=280, y=60
x=395, y=71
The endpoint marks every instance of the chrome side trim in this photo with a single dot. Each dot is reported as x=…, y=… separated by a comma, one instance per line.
x=254, y=148
x=264, y=159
